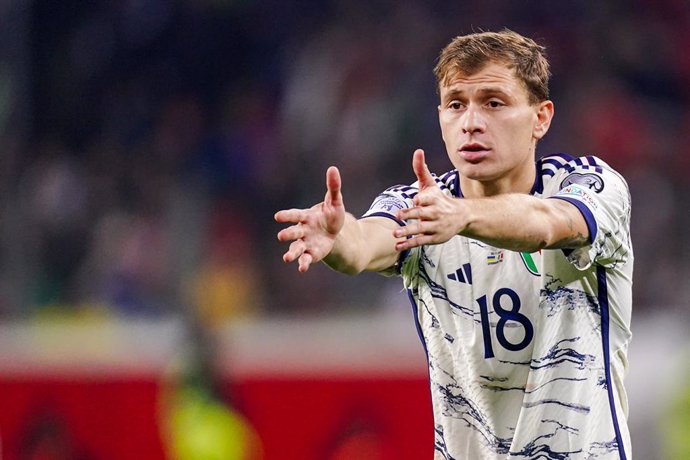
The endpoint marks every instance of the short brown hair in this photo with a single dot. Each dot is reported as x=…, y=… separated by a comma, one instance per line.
x=468, y=54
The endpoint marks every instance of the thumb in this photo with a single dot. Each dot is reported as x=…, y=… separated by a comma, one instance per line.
x=421, y=170
x=333, y=185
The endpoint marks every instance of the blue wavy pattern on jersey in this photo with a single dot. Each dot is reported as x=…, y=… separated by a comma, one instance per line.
x=440, y=443
x=538, y=449
x=498, y=388
x=601, y=382
x=559, y=354
x=458, y=406
x=556, y=297
x=575, y=407
x=426, y=260
x=597, y=449
x=435, y=324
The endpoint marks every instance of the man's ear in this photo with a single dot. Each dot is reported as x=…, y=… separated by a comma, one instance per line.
x=438, y=109
x=544, y=117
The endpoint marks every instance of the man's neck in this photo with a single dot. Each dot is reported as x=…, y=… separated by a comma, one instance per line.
x=518, y=182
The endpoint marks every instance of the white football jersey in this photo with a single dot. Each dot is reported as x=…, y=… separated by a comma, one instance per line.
x=527, y=352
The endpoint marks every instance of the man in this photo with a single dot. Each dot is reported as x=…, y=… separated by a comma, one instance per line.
x=520, y=271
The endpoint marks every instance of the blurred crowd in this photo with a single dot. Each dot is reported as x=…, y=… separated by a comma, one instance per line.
x=146, y=144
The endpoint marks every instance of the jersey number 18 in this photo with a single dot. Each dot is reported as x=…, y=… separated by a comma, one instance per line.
x=503, y=317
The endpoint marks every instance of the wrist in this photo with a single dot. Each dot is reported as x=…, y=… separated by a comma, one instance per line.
x=465, y=216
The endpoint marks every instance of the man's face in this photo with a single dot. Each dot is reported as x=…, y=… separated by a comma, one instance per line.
x=489, y=127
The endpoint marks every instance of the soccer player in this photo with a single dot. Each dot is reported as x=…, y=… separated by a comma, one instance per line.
x=519, y=270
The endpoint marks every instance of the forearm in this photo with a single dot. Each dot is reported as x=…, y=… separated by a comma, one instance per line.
x=523, y=222
x=363, y=245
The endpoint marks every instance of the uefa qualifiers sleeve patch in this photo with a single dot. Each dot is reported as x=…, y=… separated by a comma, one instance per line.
x=388, y=203
x=589, y=180
x=580, y=193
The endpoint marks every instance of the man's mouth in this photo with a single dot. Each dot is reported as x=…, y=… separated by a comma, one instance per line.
x=474, y=152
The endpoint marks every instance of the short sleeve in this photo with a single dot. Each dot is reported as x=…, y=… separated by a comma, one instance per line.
x=603, y=198
x=387, y=204
x=393, y=199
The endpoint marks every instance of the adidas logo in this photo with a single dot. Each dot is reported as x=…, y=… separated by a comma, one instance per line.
x=462, y=274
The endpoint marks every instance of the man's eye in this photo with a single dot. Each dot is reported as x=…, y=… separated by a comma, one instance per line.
x=495, y=104
x=455, y=105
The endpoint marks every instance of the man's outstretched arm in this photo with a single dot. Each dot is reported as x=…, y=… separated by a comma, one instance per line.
x=513, y=221
x=326, y=232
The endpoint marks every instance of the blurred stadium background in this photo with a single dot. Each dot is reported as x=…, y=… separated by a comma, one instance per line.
x=145, y=312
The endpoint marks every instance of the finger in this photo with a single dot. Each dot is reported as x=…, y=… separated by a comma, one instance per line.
x=402, y=232
x=418, y=212
x=416, y=228
x=290, y=215
x=419, y=240
x=425, y=199
x=304, y=261
x=333, y=186
x=296, y=249
x=421, y=170
x=294, y=232
x=406, y=214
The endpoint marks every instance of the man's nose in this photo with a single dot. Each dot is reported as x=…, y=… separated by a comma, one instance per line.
x=472, y=120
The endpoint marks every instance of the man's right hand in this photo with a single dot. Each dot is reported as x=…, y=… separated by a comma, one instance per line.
x=315, y=230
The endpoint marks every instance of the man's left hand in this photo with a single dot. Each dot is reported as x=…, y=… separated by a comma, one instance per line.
x=436, y=217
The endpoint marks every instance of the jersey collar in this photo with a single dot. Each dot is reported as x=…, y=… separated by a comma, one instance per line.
x=537, y=187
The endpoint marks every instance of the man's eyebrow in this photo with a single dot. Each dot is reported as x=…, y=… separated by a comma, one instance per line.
x=455, y=92
x=492, y=90
x=452, y=93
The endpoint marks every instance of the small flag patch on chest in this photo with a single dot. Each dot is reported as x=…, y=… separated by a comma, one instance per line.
x=494, y=257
